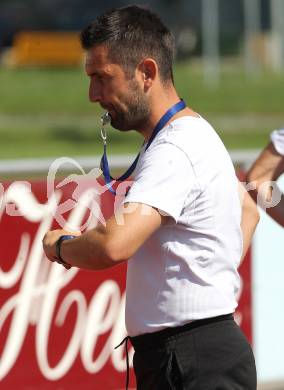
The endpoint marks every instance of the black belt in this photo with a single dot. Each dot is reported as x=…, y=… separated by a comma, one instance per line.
x=156, y=338
x=153, y=339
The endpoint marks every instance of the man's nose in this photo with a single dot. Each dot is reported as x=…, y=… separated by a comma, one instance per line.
x=95, y=94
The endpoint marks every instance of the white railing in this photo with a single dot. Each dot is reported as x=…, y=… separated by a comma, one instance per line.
x=242, y=158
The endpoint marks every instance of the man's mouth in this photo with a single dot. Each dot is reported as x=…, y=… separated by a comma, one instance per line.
x=108, y=109
x=111, y=113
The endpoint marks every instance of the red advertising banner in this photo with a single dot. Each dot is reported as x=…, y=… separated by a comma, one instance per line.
x=58, y=327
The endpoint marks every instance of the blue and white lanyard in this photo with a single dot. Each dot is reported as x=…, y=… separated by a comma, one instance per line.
x=104, y=161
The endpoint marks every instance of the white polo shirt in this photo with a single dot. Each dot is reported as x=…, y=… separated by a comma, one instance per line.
x=187, y=270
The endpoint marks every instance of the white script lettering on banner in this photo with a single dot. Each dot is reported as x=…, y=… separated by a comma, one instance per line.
x=36, y=301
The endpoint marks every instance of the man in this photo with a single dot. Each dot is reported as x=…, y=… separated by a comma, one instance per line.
x=264, y=174
x=182, y=217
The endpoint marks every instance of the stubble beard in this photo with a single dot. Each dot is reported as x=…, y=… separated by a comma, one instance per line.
x=138, y=110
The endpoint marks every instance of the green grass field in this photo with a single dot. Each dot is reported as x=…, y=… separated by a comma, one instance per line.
x=47, y=113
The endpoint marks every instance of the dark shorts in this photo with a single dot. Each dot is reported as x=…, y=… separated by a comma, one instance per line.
x=212, y=354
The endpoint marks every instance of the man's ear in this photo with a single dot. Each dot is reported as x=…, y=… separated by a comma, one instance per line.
x=148, y=69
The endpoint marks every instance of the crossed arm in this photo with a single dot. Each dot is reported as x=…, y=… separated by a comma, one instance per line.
x=124, y=233
x=266, y=169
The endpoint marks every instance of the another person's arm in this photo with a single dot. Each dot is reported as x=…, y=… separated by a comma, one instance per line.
x=264, y=174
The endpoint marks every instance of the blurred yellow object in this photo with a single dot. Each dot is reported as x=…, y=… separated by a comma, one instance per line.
x=45, y=48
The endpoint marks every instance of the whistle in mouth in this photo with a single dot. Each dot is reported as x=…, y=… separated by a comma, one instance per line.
x=105, y=119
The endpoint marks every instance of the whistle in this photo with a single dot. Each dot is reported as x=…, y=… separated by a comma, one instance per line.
x=105, y=118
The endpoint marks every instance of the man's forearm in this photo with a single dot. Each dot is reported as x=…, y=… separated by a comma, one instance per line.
x=89, y=251
x=268, y=166
x=106, y=246
x=263, y=175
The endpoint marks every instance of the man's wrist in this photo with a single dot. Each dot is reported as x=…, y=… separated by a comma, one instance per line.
x=58, y=246
x=277, y=139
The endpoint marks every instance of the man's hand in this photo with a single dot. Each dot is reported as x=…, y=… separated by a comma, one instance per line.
x=49, y=243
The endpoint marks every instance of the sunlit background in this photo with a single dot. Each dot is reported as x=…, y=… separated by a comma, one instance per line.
x=229, y=68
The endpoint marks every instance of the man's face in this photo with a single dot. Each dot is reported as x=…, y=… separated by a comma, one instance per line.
x=123, y=98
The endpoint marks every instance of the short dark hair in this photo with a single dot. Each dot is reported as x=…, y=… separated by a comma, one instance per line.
x=132, y=33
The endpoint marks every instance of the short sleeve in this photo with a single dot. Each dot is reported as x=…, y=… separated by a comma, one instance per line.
x=163, y=179
x=277, y=138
